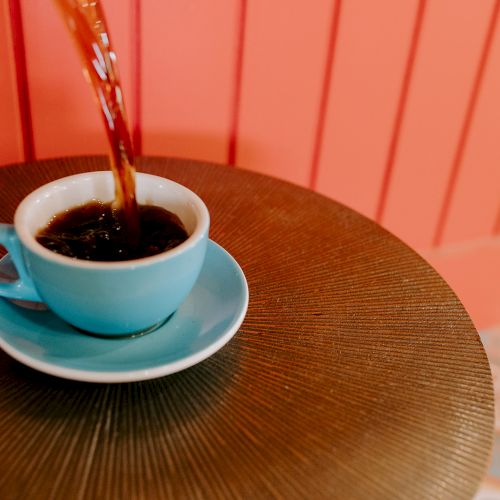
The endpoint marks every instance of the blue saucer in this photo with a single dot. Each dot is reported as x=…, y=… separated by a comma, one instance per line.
x=205, y=322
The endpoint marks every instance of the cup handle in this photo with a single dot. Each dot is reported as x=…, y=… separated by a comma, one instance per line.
x=23, y=288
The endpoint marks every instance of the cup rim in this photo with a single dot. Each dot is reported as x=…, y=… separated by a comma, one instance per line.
x=29, y=241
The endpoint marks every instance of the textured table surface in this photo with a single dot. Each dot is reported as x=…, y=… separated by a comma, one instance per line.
x=357, y=373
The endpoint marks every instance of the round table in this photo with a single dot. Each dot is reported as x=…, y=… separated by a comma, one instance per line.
x=357, y=373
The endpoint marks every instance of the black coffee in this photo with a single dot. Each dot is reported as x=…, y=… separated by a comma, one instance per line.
x=95, y=231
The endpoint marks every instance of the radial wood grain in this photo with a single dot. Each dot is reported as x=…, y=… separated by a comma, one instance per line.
x=356, y=374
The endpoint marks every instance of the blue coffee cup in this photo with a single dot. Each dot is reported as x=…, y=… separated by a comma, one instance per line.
x=105, y=298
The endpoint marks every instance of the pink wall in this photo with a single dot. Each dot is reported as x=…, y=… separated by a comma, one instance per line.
x=390, y=107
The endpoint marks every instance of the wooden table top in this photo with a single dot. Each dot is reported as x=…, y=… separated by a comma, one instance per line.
x=357, y=373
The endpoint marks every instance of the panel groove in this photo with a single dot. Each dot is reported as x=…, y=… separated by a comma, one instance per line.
x=22, y=79
x=136, y=77
x=325, y=93
x=403, y=97
x=496, y=228
x=238, y=74
x=464, y=133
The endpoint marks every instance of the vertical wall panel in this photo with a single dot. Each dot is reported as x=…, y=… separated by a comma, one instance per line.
x=64, y=114
x=188, y=57
x=283, y=69
x=449, y=49
x=11, y=145
x=66, y=120
x=473, y=272
x=370, y=58
x=476, y=197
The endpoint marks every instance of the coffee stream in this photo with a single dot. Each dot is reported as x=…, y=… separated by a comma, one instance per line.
x=87, y=25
